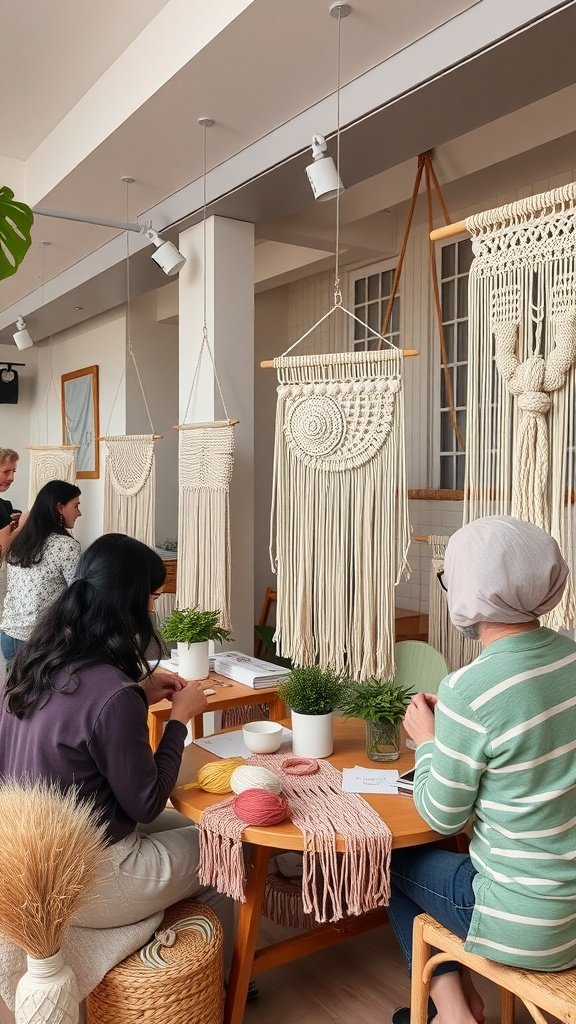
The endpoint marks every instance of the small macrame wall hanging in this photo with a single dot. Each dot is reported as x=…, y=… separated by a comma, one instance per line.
x=452, y=644
x=521, y=445
x=130, y=486
x=339, y=522
x=50, y=462
x=205, y=463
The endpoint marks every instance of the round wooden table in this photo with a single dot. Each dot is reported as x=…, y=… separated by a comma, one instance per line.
x=398, y=811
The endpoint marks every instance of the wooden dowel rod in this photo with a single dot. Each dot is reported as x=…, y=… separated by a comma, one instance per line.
x=50, y=447
x=420, y=538
x=210, y=423
x=268, y=364
x=448, y=231
x=113, y=437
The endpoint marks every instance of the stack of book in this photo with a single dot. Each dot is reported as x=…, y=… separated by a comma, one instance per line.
x=250, y=671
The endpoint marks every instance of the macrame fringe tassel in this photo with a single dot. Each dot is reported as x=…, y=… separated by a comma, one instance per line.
x=282, y=903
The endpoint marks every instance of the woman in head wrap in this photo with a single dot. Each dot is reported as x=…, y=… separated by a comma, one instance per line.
x=498, y=742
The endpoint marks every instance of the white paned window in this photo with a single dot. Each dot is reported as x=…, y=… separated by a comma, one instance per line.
x=455, y=261
x=370, y=291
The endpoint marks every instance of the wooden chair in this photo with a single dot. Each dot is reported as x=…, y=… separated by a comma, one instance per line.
x=419, y=665
x=554, y=992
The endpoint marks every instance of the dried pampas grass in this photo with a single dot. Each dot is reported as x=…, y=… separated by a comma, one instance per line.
x=51, y=849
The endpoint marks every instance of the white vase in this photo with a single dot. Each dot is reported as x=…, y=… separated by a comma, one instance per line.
x=312, y=735
x=193, y=660
x=47, y=993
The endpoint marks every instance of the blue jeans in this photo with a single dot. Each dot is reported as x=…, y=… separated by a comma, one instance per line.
x=428, y=880
x=9, y=646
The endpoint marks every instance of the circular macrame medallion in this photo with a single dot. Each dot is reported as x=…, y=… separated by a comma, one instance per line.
x=316, y=424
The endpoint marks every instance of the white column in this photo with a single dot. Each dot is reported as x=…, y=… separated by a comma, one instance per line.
x=230, y=319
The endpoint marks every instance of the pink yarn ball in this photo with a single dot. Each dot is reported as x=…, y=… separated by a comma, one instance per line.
x=259, y=807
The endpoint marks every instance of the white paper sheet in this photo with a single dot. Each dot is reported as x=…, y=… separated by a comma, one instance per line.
x=231, y=744
x=369, y=780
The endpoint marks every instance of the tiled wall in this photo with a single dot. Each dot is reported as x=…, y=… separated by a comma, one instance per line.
x=426, y=517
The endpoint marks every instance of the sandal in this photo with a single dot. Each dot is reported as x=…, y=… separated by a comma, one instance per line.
x=402, y=1016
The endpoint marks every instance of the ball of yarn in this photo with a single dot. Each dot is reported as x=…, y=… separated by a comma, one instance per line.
x=260, y=807
x=252, y=776
x=215, y=776
x=299, y=766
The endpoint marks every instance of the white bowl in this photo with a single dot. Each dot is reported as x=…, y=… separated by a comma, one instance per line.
x=262, y=737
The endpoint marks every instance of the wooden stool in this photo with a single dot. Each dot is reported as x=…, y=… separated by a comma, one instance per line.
x=177, y=977
x=554, y=992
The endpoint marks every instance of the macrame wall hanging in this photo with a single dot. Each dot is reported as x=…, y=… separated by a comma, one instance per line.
x=50, y=461
x=339, y=531
x=442, y=635
x=522, y=370
x=205, y=463
x=130, y=469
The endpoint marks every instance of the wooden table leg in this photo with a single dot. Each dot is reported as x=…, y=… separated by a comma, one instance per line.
x=198, y=727
x=277, y=709
x=155, y=729
x=246, y=936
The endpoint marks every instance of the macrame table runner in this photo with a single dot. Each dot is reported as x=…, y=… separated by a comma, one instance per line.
x=50, y=462
x=206, y=460
x=456, y=649
x=130, y=486
x=339, y=522
x=521, y=443
x=334, y=885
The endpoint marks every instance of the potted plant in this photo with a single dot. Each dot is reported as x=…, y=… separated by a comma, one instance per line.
x=382, y=704
x=191, y=629
x=312, y=694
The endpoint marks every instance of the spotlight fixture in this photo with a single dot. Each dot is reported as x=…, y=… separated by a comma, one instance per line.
x=167, y=256
x=22, y=335
x=322, y=174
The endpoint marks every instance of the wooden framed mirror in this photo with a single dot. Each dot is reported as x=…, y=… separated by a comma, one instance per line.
x=80, y=419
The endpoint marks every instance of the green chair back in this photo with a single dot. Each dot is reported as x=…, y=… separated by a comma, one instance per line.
x=419, y=665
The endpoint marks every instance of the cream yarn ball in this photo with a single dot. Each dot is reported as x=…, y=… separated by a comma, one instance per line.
x=252, y=776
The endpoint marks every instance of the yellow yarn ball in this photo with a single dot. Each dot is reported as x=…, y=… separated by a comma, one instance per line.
x=215, y=776
x=252, y=776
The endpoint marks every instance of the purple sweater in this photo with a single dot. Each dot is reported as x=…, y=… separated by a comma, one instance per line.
x=92, y=732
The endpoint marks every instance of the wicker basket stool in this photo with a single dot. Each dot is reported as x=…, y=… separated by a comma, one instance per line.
x=181, y=983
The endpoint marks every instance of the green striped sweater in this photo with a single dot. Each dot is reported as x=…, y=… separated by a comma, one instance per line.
x=505, y=748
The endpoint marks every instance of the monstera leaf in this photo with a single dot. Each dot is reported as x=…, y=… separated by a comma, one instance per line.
x=16, y=220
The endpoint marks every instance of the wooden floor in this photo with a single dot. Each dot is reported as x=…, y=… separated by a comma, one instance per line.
x=362, y=981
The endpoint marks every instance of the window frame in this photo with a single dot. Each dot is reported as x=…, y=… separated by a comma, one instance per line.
x=366, y=271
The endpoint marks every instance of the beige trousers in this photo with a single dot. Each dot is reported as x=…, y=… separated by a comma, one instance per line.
x=149, y=870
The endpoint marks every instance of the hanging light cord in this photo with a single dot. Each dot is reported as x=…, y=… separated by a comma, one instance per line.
x=205, y=342
x=337, y=288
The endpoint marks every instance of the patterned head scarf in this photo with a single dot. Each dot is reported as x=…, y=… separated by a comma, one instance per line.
x=500, y=569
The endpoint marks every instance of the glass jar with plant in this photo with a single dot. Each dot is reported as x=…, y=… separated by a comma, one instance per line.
x=312, y=694
x=382, y=704
x=191, y=629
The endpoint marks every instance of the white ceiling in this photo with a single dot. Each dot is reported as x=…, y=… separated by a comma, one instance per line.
x=53, y=52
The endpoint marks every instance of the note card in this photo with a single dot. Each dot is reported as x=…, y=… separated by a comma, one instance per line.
x=369, y=780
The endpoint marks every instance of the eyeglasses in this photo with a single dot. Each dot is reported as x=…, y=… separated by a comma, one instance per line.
x=439, y=577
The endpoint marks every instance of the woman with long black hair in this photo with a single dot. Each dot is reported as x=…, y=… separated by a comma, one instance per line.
x=41, y=561
x=75, y=712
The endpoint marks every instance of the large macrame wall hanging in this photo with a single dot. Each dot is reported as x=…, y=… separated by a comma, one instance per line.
x=339, y=524
x=456, y=649
x=130, y=486
x=522, y=373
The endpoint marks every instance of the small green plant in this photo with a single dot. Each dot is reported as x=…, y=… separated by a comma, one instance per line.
x=377, y=700
x=168, y=545
x=312, y=690
x=193, y=626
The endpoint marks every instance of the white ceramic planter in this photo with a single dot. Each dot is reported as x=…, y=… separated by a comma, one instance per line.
x=193, y=660
x=47, y=993
x=312, y=735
